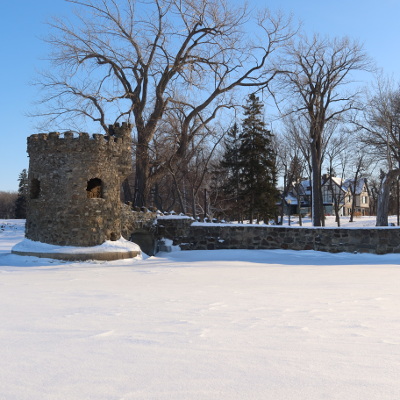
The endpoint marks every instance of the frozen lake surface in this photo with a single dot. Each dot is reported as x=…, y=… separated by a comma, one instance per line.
x=237, y=324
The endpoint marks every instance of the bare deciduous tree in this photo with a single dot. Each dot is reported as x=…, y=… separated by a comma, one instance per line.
x=317, y=71
x=356, y=180
x=296, y=130
x=7, y=204
x=337, y=155
x=134, y=59
x=379, y=128
x=295, y=134
x=292, y=161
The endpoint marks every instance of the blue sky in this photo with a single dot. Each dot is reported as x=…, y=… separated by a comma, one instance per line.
x=23, y=52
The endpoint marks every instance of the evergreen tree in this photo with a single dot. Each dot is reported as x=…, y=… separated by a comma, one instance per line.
x=230, y=170
x=257, y=164
x=20, y=203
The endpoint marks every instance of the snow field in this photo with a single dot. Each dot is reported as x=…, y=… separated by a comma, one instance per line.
x=199, y=325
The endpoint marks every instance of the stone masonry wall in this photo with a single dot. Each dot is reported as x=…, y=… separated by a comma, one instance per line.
x=139, y=227
x=136, y=221
x=203, y=236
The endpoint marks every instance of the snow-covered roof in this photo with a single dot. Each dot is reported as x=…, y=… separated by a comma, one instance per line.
x=343, y=184
x=338, y=181
x=349, y=183
x=305, y=187
x=291, y=199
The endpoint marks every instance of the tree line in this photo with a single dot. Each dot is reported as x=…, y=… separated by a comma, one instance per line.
x=183, y=72
x=13, y=204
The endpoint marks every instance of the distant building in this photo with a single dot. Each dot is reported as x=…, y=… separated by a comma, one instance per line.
x=362, y=198
x=334, y=189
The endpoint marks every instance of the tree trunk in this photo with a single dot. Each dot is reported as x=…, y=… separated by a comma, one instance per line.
x=194, y=214
x=282, y=211
x=299, y=209
x=353, y=191
x=353, y=205
x=383, y=197
x=178, y=192
x=251, y=207
x=337, y=216
x=127, y=191
x=205, y=205
x=316, y=200
x=157, y=198
x=142, y=182
x=336, y=206
x=322, y=207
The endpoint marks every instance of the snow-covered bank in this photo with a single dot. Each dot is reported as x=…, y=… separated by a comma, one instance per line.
x=330, y=221
x=199, y=325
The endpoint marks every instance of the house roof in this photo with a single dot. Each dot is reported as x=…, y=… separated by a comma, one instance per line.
x=305, y=187
x=291, y=199
x=338, y=181
x=348, y=184
x=345, y=185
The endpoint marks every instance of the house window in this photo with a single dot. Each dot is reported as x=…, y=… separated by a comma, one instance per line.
x=94, y=189
x=35, y=188
x=364, y=200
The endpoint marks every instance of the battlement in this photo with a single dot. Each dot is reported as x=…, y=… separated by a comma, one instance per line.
x=118, y=140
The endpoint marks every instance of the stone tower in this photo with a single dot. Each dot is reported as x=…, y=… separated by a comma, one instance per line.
x=75, y=184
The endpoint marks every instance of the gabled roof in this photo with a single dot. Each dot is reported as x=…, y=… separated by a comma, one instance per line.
x=345, y=185
x=339, y=182
x=349, y=184
x=304, y=187
x=291, y=199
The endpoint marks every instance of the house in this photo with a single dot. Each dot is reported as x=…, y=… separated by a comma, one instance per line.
x=290, y=204
x=299, y=194
x=334, y=190
x=361, y=195
x=342, y=191
x=333, y=194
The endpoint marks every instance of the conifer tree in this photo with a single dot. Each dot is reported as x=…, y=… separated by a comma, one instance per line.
x=230, y=169
x=20, y=203
x=257, y=161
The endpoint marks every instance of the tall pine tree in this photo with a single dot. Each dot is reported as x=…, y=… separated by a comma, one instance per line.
x=20, y=203
x=257, y=161
x=229, y=179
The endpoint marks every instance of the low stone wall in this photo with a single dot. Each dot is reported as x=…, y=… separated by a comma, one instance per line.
x=140, y=228
x=191, y=235
x=136, y=221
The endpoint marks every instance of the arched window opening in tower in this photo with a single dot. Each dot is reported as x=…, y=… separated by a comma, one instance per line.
x=35, y=188
x=94, y=189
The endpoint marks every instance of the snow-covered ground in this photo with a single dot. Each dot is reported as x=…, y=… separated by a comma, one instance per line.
x=330, y=221
x=253, y=324
x=358, y=222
